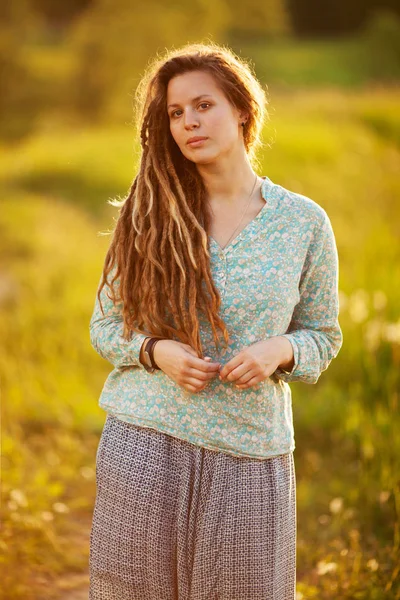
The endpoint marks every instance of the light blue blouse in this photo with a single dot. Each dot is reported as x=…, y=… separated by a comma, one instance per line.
x=278, y=276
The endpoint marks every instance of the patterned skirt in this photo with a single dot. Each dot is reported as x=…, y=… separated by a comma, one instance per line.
x=176, y=521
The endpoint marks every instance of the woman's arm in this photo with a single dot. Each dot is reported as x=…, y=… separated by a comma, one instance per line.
x=314, y=330
x=106, y=332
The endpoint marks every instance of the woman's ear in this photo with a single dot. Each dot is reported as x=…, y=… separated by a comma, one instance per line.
x=243, y=117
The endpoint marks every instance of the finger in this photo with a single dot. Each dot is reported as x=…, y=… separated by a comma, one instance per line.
x=201, y=375
x=232, y=364
x=193, y=352
x=202, y=365
x=195, y=383
x=240, y=371
x=252, y=382
x=208, y=359
x=245, y=378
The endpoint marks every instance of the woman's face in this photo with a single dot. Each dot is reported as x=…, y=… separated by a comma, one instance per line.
x=197, y=107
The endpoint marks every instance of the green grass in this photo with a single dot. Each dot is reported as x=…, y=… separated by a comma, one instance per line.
x=339, y=148
x=312, y=62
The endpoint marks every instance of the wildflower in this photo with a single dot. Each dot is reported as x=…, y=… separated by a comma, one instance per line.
x=19, y=497
x=392, y=332
x=323, y=519
x=60, y=507
x=349, y=513
x=46, y=515
x=373, y=334
x=87, y=472
x=384, y=496
x=336, y=505
x=326, y=567
x=373, y=564
x=358, y=306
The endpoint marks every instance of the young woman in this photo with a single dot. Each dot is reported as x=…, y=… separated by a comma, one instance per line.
x=222, y=287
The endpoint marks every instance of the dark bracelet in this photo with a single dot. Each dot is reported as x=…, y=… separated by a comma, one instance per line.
x=149, y=353
x=153, y=343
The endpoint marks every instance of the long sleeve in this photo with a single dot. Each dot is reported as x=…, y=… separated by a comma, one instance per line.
x=314, y=330
x=106, y=332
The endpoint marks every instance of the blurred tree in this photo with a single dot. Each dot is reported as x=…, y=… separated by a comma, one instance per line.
x=311, y=17
x=258, y=19
x=382, y=36
x=60, y=14
x=20, y=96
x=114, y=40
x=334, y=17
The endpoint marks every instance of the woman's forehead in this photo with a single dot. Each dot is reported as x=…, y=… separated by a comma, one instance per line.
x=188, y=87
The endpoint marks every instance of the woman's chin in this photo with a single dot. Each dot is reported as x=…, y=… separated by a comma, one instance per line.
x=203, y=158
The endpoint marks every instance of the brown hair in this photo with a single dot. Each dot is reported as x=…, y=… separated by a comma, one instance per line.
x=159, y=249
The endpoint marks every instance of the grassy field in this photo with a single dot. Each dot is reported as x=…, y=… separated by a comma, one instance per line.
x=340, y=148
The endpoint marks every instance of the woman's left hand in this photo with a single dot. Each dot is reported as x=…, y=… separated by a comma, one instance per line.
x=255, y=363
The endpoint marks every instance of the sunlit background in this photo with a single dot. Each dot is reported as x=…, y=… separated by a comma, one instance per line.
x=69, y=72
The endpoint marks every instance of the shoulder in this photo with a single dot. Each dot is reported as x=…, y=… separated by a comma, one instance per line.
x=297, y=208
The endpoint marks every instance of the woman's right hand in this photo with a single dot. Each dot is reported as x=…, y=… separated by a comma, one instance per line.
x=181, y=363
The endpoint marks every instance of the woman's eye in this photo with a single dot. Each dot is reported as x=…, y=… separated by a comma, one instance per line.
x=174, y=113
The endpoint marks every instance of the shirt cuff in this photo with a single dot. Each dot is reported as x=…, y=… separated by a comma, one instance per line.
x=282, y=373
x=134, y=346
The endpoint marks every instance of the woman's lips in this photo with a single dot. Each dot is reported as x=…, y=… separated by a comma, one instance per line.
x=196, y=143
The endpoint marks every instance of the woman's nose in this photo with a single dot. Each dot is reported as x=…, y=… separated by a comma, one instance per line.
x=190, y=120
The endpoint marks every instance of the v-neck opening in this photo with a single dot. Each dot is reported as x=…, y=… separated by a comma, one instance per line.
x=250, y=225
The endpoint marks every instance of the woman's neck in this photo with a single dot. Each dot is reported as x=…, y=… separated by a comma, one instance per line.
x=228, y=183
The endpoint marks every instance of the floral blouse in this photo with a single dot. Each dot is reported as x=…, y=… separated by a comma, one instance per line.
x=278, y=276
